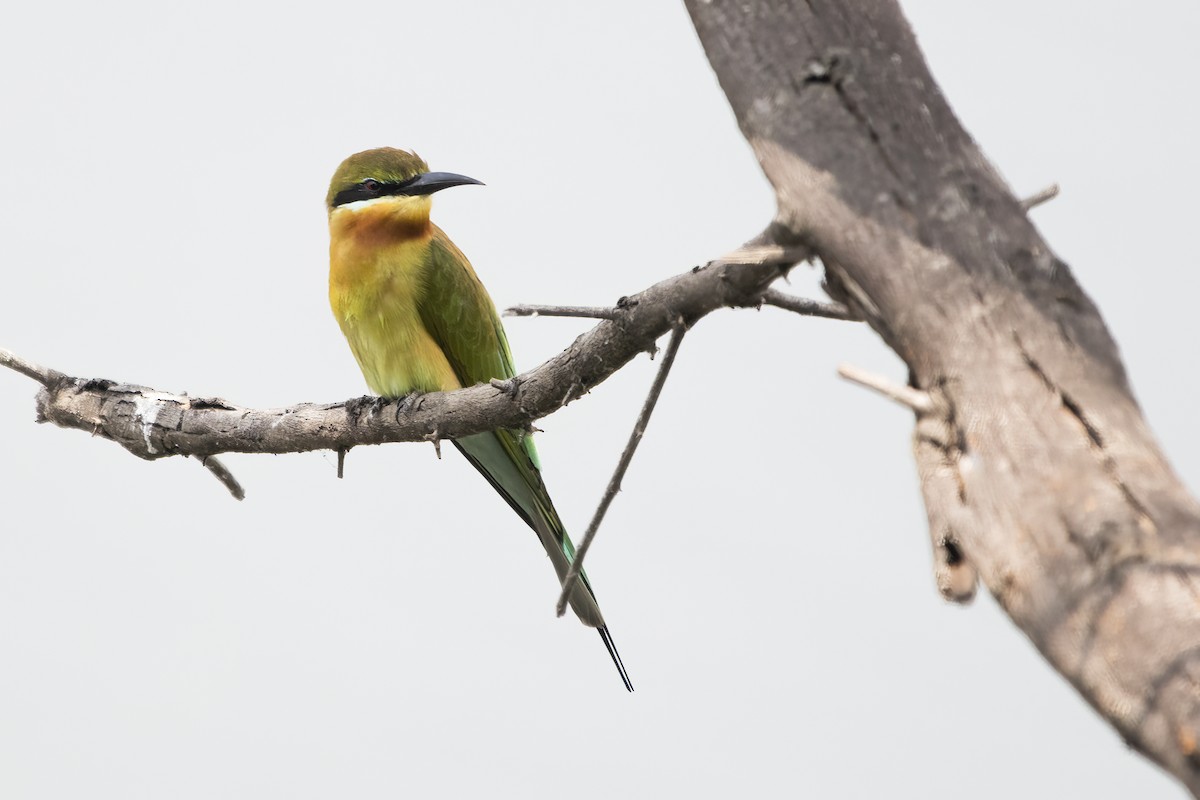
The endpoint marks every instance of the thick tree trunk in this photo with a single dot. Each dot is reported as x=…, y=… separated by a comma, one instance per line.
x=1037, y=468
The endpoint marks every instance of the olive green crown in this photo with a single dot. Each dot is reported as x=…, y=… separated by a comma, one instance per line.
x=384, y=164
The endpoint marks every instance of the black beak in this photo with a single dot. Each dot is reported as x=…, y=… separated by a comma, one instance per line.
x=431, y=182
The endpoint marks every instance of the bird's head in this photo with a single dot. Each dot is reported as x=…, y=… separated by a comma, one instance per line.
x=388, y=176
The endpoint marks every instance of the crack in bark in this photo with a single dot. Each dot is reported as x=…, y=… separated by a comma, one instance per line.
x=954, y=554
x=1094, y=437
x=838, y=67
x=955, y=446
x=943, y=448
x=1176, y=668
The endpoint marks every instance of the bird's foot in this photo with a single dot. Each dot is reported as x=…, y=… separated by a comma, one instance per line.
x=409, y=404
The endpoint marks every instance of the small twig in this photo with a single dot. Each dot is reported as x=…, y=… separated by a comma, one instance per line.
x=510, y=386
x=752, y=254
x=341, y=453
x=614, y=483
x=43, y=375
x=1044, y=196
x=222, y=473
x=806, y=307
x=747, y=255
x=915, y=399
x=588, y=312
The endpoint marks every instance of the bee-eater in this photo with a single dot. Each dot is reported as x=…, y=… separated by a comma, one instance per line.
x=418, y=320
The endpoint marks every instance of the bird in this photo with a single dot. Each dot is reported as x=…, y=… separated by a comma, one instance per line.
x=418, y=319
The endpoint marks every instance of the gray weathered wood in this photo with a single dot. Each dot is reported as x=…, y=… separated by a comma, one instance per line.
x=1037, y=468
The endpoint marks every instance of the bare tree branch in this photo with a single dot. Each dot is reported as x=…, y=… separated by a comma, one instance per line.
x=771, y=297
x=806, y=307
x=152, y=424
x=614, y=483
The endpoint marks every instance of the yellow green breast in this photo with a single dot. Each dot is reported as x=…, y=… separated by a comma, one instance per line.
x=377, y=259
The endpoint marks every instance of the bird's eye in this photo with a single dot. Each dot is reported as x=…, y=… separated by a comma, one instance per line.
x=370, y=185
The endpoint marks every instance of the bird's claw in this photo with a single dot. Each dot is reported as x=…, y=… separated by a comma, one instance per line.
x=409, y=404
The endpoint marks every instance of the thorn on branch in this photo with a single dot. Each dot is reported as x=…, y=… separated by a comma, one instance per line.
x=436, y=438
x=222, y=473
x=510, y=386
x=915, y=399
x=614, y=483
x=341, y=464
x=1044, y=196
x=806, y=307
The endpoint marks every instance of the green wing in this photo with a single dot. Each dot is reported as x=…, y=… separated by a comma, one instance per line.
x=460, y=315
x=457, y=310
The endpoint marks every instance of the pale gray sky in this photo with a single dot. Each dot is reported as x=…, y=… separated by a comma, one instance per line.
x=766, y=570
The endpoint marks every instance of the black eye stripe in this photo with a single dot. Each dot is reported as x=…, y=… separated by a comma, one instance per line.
x=370, y=188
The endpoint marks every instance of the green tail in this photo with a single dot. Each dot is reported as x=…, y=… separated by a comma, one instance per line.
x=511, y=467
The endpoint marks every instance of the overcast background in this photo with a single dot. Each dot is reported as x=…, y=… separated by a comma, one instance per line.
x=766, y=571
